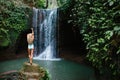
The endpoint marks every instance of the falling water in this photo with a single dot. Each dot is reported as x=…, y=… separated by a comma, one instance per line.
x=45, y=29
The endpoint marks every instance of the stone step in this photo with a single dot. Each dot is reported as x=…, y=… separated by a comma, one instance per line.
x=33, y=64
x=31, y=68
x=31, y=74
x=32, y=79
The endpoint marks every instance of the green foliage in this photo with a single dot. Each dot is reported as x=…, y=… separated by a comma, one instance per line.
x=47, y=76
x=99, y=23
x=62, y=2
x=40, y=3
x=35, y=3
x=43, y=3
x=12, y=20
x=4, y=42
x=65, y=9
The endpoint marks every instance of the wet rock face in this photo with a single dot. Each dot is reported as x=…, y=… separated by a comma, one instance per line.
x=32, y=72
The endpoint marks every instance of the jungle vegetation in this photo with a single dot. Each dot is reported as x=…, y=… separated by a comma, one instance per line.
x=98, y=22
x=14, y=18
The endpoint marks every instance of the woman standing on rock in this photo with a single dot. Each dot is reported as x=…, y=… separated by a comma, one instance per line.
x=30, y=40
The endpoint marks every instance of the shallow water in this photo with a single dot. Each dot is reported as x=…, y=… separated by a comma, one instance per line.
x=58, y=69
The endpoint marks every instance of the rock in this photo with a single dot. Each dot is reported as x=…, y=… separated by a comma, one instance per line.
x=32, y=72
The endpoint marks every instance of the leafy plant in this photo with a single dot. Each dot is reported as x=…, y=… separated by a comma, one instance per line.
x=12, y=21
x=98, y=23
x=40, y=3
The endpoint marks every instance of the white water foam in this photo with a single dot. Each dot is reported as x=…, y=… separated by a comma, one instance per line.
x=46, y=55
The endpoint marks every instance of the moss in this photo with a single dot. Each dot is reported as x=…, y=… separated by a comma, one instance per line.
x=4, y=42
x=33, y=71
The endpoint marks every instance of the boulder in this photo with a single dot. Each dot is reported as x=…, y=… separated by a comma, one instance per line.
x=32, y=72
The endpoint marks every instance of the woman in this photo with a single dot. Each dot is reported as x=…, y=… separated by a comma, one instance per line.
x=30, y=40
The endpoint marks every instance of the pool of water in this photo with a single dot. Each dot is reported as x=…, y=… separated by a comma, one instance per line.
x=58, y=69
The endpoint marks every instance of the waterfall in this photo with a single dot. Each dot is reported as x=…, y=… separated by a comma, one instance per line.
x=45, y=29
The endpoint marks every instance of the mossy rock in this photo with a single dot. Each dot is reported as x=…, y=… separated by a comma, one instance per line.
x=4, y=42
x=32, y=72
x=31, y=68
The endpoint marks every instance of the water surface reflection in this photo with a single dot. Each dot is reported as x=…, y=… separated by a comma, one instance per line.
x=58, y=69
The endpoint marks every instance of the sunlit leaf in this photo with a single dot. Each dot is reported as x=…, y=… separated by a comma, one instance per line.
x=111, y=3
